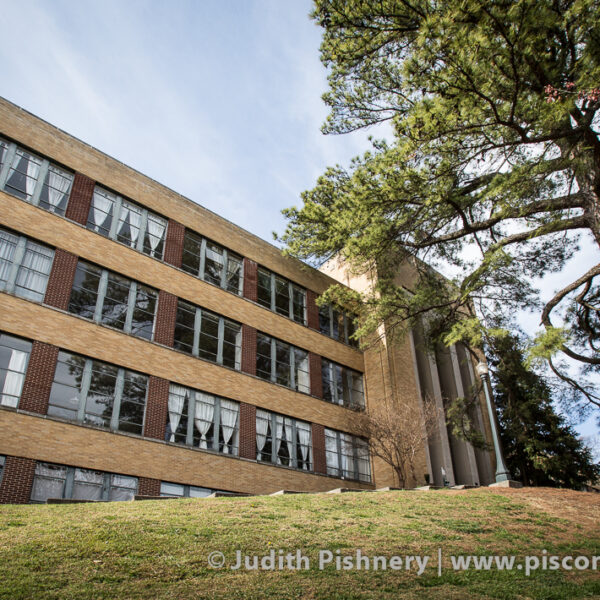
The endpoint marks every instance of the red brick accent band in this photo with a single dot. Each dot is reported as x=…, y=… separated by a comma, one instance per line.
x=316, y=381
x=148, y=487
x=17, y=480
x=250, y=280
x=312, y=310
x=60, y=282
x=156, y=410
x=80, y=200
x=164, y=330
x=247, y=431
x=318, y=443
x=174, y=243
x=39, y=378
x=248, y=349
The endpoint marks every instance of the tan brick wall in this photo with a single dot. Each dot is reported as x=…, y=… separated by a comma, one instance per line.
x=45, y=439
x=58, y=232
x=30, y=320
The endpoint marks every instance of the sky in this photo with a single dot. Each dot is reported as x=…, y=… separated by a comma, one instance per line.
x=219, y=100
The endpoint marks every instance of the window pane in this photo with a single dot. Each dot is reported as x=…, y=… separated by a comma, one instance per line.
x=130, y=222
x=122, y=488
x=332, y=452
x=84, y=294
x=2, y=458
x=324, y=320
x=133, y=402
x=232, y=345
x=48, y=482
x=209, y=336
x=14, y=356
x=299, y=306
x=264, y=288
x=142, y=323
x=213, y=265
x=263, y=356
x=282, y=372
x=328, y=388
x=114, y=307
x=358, y=399
x=101, y=211
x=87, y=485
x=234, y=274
x=23, y=175
x=32, y=277
x=198, y=492
x=337, y=325
x=55, y=191
x=192, y=245
x=64, y=394
x=302, y=371
x=282, y=297
x=177, y=417
x=154, y=238
x=8, y=244
x=171, y=489
x=184, y=326
x=3, y=150
x=101, y=396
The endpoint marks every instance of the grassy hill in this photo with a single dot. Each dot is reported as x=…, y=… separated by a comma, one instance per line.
x=160, y=549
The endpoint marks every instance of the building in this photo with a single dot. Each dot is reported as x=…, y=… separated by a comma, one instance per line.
x=149, y=346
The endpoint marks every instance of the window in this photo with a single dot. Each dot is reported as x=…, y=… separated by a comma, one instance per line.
x=337, y=324
x=202, y=333
x=14, y=356
x=2, y=461
x=211, y=262
x=57, y=481
x=202, y=420
x=97, y=393
x=342, y=385
x=283, y=441
x=282, y=363
x=24, y=266
x=34, y=179
x=119, y=219
x=281, y=296
x=178, y=490
x=113, y=300
x=347, y=456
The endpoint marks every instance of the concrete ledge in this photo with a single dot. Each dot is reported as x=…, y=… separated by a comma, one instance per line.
x=509, y=483
x=285, y=492
x=70, y=501
x=227, y=495
x=427, y=488
x=142, y=497
x=345, y=490
x=390, y=489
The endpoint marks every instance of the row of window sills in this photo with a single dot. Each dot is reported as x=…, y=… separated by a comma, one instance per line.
x=181, y=270
x=143, y=438
x=181, y=352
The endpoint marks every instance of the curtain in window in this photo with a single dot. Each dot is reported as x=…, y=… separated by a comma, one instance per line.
x=278, y=436
x=238, y=349
x=262, y=426
x=8, y=244
x=33, y=170
x=229, y=413
x=58, y=184
x=203, y=419
x=14, y=379
x=304, y=438
x=177, y=397
x=287, y=424
x=135, y=221
x=102, y=206
x=331, y=452
x=156, y=231
x=347, y=456
x=35, y=268
x=302, y=375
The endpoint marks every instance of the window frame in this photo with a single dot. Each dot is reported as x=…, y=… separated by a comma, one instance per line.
x=292, y=370
x=84, y=390
x=356, y=401
x=197, y=334
x=346, y=325
x=16, y=374
x=101, y=295
x=357, y=444
x=291, y=289
x=45, y=165
x=116, y=212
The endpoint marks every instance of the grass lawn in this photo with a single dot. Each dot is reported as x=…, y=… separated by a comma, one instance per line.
x=159, y=549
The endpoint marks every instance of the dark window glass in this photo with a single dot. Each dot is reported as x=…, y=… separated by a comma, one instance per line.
x=213, y=265
x=23, y=175
x=263, y=356
x=232, y=344
x=143, y=313
x=133, y=401
x=101, y=395
x=14, y=356
x=154, y=237
x=299, y=305
x=192, y=245
x=55, y=191
x=264, y=288
x=209, y=336
x=337, y=324
x=282, y=374
x=324, y=320
x=184, y=326
x=114, y=307
x=282, y=297
x=234, y=274
x=84, y=294
x=64, y=394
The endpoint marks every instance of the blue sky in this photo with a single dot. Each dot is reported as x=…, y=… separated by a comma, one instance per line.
x=218, y=100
